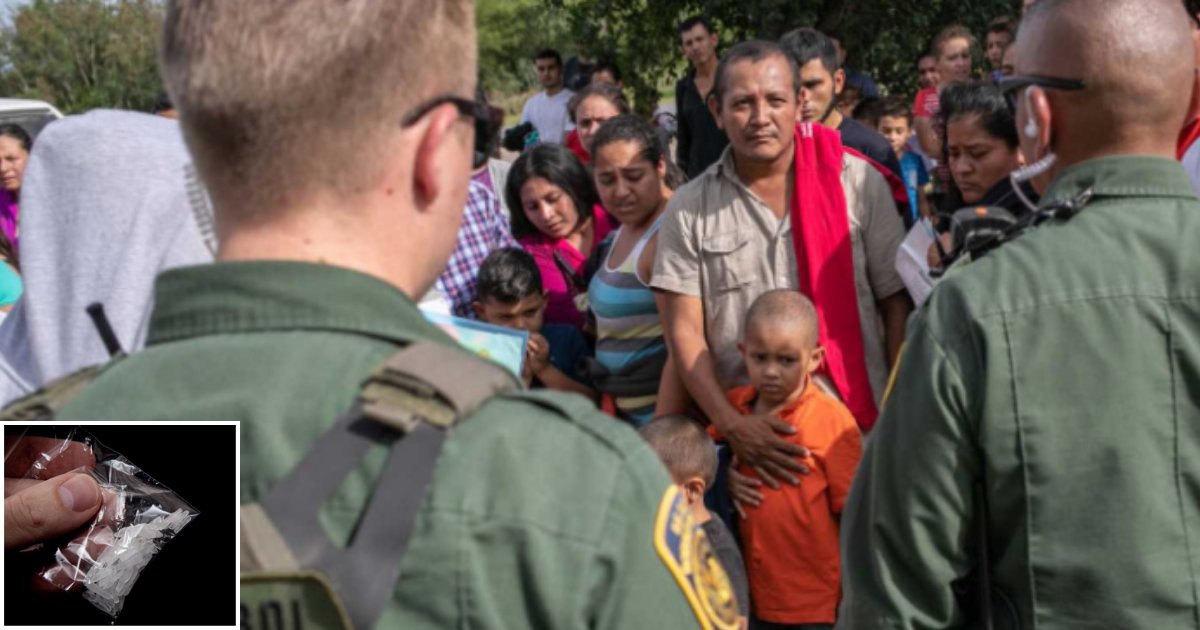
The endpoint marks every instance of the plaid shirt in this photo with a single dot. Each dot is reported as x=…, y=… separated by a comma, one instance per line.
x=484, y=230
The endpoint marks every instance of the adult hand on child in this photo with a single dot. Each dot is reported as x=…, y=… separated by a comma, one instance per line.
x=37, y=510
x=756, y=441
x=743, y=489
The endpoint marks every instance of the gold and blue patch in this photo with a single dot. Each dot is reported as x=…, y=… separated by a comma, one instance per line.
x=689, y=556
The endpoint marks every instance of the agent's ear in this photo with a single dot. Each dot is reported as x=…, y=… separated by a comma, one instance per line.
x=839, y=81
x=1038, y=117
x=441, y=148
x=477, y=308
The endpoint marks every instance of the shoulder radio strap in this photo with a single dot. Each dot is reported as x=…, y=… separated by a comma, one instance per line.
x=408, y=402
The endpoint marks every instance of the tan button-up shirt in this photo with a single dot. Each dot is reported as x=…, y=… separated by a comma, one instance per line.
x=722, y=243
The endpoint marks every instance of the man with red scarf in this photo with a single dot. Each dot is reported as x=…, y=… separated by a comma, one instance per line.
x=785, y=208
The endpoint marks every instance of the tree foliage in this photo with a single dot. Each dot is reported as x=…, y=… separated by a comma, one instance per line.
x=883, y=38
x=83, y=54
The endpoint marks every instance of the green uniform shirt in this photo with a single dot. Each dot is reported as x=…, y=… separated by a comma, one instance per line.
x=1063, y=372
x=534, y=519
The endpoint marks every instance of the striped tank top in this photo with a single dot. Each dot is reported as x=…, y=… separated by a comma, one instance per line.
x=628, y=329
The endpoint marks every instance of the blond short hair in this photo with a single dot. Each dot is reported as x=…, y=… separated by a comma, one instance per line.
x=282, y=98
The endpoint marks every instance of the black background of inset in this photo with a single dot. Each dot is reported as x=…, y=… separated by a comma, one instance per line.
x=193, y=580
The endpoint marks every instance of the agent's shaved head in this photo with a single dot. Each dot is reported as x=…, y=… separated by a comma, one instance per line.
x=1128, y=54
x=787, y=308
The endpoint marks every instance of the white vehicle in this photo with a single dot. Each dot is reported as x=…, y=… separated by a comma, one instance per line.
x=32, y=116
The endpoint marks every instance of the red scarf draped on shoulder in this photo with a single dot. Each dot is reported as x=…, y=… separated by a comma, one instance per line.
x=825, y=264
x=1187, y=137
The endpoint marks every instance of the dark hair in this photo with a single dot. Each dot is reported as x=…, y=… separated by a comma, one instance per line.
x=683, y=446
x=606, y=66
x=851, y=94
x=806, y=44
x=896, y=107
x=974, y=99
x=692, y=22
x=630, y=128
x=608, y=92
x=18, y=133
x=1002, y=24
x=549, y=53
x=508, y=275
x=867, y=111
x=162, y=103
x=755, y=51
x=1193, y=10
x=557, y=165
x=983, y=100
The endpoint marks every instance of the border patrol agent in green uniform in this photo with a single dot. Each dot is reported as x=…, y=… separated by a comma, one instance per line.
x=361, y=506
x=1041, y=443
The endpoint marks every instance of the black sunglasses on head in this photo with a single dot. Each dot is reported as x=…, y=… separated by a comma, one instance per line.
x=467, y=108
x=1010, y=86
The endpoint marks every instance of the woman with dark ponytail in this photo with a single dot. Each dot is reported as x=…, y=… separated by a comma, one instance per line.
x=631, y=369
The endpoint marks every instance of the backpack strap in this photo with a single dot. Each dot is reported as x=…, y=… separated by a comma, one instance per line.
x=408, y=402
x=43, y=404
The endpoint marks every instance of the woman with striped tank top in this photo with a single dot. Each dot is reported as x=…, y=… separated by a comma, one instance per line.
x=631, y=367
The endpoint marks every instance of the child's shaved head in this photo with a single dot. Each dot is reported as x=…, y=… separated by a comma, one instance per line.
x=784, y=307
x=683, y=446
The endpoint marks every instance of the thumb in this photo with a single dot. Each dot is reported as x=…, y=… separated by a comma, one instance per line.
x=49, y=509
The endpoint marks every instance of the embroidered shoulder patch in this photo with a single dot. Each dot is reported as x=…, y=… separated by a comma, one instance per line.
x=686, y=551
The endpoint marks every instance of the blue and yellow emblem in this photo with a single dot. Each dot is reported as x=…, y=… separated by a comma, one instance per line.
x=686, y=551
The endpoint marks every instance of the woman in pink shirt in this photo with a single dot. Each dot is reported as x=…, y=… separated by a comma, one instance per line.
x=14, y=155
x=546, y=189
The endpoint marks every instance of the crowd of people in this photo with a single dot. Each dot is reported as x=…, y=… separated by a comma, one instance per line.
x=841, y=445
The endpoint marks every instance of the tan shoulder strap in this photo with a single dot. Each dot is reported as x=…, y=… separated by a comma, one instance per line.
x=407, y=402
x=43, y=404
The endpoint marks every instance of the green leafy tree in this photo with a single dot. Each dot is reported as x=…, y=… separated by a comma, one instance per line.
x=510, y=32
x=883, y=38
x=83, y=54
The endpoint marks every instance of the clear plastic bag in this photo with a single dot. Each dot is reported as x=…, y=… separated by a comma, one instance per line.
x=137, y=517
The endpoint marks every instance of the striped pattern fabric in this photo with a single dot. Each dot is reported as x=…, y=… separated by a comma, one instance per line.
x=628, y=328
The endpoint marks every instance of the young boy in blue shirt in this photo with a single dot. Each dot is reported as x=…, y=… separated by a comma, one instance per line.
x=895, y=123
x=509, y=293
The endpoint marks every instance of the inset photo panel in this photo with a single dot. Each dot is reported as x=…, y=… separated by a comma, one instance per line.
x=125, y=524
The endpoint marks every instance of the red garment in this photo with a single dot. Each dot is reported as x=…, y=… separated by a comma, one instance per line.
x=1188, y=137
x=790, y=540
x=560, y=303
x=927, y=104
x=825, y=264
x=576, y=146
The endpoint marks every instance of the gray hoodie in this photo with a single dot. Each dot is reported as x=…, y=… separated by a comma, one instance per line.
x=104, y=209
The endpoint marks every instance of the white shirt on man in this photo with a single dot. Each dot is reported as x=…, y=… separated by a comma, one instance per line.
x=549, y=115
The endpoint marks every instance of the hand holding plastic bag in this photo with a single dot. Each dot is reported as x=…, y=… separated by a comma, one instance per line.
x=137, y=515
x=38, y=511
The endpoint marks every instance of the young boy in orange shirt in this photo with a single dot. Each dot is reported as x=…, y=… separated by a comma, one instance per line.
x=790, y=539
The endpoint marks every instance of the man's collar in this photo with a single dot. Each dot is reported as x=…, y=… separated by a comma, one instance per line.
x=265, y=296
x=1121, y=176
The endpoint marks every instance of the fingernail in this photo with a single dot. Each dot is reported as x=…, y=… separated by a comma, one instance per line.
x=79, y=494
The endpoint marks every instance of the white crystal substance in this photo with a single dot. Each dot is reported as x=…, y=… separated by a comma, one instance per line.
x=113, y=574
